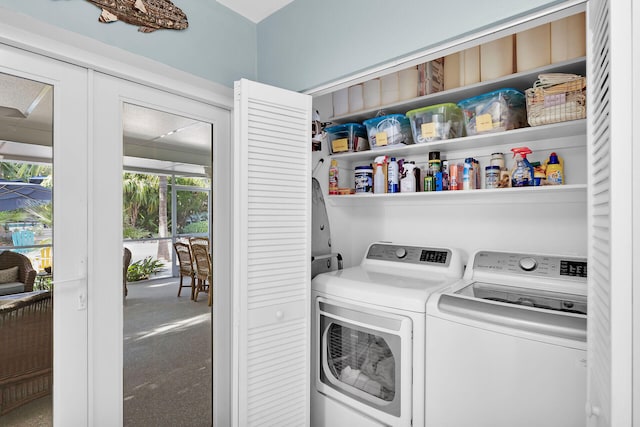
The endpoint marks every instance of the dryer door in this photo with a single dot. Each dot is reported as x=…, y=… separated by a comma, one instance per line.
x=365, y=357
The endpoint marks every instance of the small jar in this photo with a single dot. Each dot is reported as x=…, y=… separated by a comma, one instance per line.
x=364, y=179
x=492, y=176
x=497, y=159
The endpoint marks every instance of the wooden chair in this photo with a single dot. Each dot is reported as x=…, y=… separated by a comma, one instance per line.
x=185, y=260
x=126, y=261
x=204, y=272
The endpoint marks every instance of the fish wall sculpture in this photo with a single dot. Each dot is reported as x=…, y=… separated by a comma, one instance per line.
x=149, y=15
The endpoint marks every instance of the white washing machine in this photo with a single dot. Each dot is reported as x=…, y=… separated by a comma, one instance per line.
x=368, y=336
x=507, y=344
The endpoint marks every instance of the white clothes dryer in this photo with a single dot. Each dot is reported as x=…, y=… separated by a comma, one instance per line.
x=368, y=337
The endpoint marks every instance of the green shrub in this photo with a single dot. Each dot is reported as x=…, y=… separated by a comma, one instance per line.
x=143, y=269
x=196, y=227
x=129, y=232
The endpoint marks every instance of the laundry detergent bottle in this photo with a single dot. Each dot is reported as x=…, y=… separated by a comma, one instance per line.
x=554, y=170
x=522, y=171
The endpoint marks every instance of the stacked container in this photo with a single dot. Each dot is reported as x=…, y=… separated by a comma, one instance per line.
x=347, y=138
x=436, y=122
x=495, y=111
x=390, y=130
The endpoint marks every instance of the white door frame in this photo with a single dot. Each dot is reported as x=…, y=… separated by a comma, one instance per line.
x=70, y=225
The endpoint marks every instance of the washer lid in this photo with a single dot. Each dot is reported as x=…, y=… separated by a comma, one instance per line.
x=538, y=298
x=383, y=287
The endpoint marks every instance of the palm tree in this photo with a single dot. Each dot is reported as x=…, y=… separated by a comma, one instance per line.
x=140, y=191
x=163, y=248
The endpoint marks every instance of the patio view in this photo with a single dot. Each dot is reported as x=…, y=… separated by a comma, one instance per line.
x=166, y=193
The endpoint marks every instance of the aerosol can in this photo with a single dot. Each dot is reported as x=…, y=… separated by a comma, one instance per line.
x=522, y=171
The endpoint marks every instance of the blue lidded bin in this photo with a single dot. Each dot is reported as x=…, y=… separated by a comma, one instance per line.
x=384, y=131
x=347, y=138
x=496, y=111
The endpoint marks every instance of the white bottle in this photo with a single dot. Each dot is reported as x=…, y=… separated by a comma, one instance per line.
x=408, y=183
x=379, y=181
x=393, y=176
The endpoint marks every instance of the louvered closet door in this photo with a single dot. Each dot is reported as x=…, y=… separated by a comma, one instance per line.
x=272, y=252
x=610, y=80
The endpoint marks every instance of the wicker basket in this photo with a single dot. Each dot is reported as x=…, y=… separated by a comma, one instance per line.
x=556, y=98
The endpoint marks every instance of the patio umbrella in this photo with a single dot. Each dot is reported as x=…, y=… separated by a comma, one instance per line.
x=19, y=194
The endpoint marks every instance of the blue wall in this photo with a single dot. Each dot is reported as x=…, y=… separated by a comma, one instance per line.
x=311, y=42
x=219, y=44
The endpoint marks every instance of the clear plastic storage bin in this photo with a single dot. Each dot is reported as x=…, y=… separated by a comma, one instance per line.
x=436, y=122
x=385, y=131
x=347, y=138
x=496, y=111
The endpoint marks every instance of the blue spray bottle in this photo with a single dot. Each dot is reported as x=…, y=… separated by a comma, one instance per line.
x=522, y=171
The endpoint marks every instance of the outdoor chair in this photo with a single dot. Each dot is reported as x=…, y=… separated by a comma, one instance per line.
x=45, y=258
x=204, y=272
x=12, y=282
x=26, y=348
x=199, y=241
x=126, y=261
x=183, y=251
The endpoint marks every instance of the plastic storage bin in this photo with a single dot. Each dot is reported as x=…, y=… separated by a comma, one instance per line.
x=385, y=131
x=436, y=122
x=495, y=111
x=347, y=137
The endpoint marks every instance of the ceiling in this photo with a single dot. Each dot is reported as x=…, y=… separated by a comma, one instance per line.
x=154, y=141
x=255, y=10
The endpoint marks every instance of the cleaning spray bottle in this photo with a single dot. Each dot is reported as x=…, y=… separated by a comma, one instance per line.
x=379, y=180
x=554, y=170
x=522, y=171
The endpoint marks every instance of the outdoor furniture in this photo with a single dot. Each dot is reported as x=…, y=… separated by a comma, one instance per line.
x=26, y=348
x=22, y=238
x=26, y=274
x=45, y=258
x=204, y=272
x=198, y=240
x=126, y=261
x=185, y=260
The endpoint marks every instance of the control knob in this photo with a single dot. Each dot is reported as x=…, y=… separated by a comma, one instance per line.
x=528, y=264
x=401, y=253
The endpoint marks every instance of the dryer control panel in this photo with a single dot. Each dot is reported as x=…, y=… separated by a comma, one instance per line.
x=409, y=254
x=551, y=267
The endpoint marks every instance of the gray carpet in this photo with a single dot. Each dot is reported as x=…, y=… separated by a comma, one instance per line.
x=167, y=361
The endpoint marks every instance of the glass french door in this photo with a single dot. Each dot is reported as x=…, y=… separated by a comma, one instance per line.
x=121, y=143
x=43, y=154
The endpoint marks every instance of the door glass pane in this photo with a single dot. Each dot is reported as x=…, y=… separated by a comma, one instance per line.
x=167, y=319
x=26, y=264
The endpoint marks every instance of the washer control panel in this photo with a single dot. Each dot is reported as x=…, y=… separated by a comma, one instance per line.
x=409, y=254
x=531, y=265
